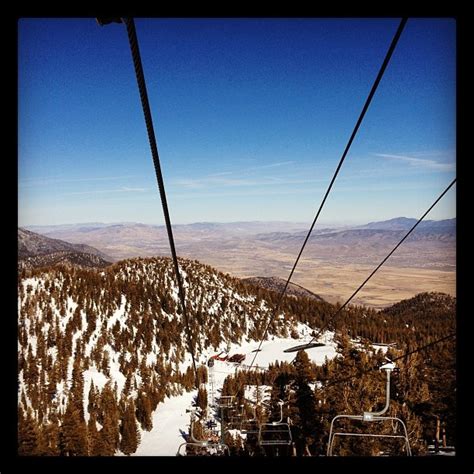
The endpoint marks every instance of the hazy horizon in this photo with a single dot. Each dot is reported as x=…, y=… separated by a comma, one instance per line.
x=303, y=223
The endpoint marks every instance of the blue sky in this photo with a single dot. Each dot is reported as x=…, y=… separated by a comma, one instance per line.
x=251, y=118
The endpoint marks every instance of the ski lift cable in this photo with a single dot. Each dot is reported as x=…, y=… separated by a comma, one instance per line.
x=377, y=367
x=380, y=264
x=403, y=356
x=362, y=285
x=360, y=373
x=137, y=63
x=341, y=161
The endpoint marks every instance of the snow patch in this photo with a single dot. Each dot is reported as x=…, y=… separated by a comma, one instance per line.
x=170, y=421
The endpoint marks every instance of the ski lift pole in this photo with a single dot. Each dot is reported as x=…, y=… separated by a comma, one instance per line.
x=369, y=415
x=222, y=423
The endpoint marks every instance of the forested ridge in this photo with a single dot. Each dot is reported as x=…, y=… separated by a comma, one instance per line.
x=122, y=325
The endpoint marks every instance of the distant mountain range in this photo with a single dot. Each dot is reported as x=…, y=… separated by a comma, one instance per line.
x=405, y=223
x=96, y=228
x=35, y=250
x=126, y=240
x=246, y=249
x=136, y=233
x=391, y=230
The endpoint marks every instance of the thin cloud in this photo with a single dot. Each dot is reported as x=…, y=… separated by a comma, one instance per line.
x=271, y=165
x=314, y=190
x=243, y=193
x=238, y=178
x=223, y=173
x=385, y=188
x=108, y=191
x=213, y=181
x=208, y=182
x=419, y=162
x=29, y=182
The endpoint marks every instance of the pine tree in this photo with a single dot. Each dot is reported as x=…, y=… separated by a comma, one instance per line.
x=42, y=442
x=143, y=412
x=109, y=418
x=94, y=439
x=93, y=404
x=77, y=385
x=201, y=399
x=304, y=405
x=129, y=430
x=27, y=433
x=73, y=432
x=52, y=435
x=303, y=367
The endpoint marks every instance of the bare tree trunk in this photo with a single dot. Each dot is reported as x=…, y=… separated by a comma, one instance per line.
x=437, y=435
x=307, y=451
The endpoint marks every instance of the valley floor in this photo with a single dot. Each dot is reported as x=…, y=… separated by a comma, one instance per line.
x=388, y=286
x=337, y=282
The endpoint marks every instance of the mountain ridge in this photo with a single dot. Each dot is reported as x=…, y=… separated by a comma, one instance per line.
x=128, y=240
x=38, y=250
x=277, y=284
x=405, y=223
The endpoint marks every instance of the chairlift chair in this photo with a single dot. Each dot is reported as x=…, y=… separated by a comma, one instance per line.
x=370, y=417
x=221, y=449
x=226, y=401
x=302, y=347
x=235, y=419
x=275, y=433
x=249, y=426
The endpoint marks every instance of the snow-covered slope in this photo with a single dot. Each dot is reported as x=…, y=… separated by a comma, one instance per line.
x=104, y=353
x=84, y=334
x=171, y=420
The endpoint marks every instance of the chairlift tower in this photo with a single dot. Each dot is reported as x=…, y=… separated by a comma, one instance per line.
x=211, y=382
x=225, y=401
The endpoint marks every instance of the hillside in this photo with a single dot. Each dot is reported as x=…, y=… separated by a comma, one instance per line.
x=98, y=345
x=277, y=285
x=66, y=258
x=120, y=330
x=31, y=244
x=35, y=250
